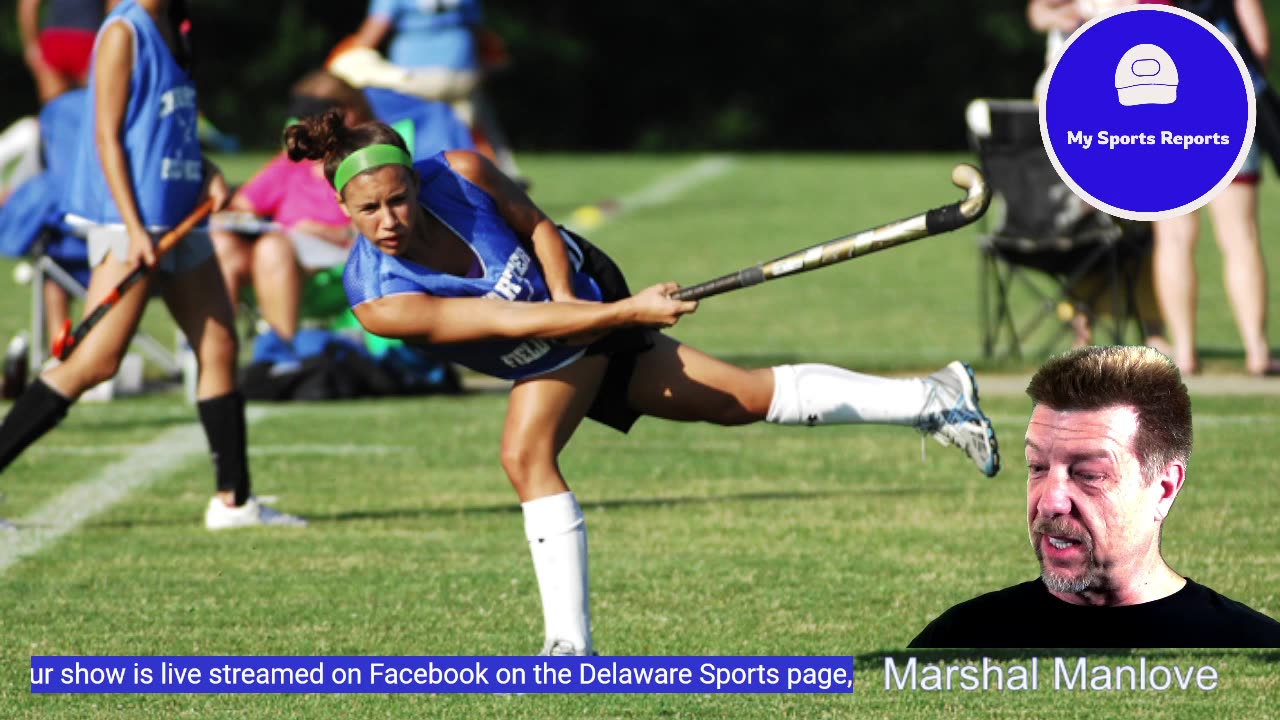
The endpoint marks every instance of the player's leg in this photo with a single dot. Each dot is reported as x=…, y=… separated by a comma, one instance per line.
x=678, y=382
x=1148, y=308
x=542, y=415
x=1176, y=284
x=1235, y=224
x=96, y=358
x=199, y=303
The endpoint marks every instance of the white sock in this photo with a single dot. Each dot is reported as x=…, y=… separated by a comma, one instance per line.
x=557, y=534
x=827, y=395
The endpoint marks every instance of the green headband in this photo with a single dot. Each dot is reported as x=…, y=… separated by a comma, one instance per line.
x=367, y=158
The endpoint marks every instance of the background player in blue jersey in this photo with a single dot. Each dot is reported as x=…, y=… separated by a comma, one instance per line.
x=454, y=255
x=58, y=50
x=140, y=171
x=448, y=53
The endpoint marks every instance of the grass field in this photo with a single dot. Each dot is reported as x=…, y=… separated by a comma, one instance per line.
x=705, y=541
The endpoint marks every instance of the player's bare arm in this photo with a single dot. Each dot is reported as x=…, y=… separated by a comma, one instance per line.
x=114, y=68
x=424, y=318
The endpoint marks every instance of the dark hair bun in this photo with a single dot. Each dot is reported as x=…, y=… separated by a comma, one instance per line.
x=315, y=138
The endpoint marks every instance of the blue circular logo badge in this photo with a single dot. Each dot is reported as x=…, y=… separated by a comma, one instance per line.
x=1149, y=112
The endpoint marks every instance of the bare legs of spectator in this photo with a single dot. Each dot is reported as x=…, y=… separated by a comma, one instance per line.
x=1177, y=285
x=1235, y=221
x=1234, y=215
x=1093, y=290
x=270, y=264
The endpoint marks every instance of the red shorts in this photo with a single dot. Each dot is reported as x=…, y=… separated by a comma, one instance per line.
x=67, y=50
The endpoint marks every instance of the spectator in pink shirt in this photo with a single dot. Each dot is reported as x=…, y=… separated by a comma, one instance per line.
x=309, y=231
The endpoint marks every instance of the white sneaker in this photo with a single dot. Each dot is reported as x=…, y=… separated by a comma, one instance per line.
x=562, y=648
x=951, y=414
x=253, y=513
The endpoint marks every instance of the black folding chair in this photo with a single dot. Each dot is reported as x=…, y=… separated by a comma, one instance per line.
x=1044, y=247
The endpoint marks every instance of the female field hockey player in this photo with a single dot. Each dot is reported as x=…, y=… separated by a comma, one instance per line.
x=452, y=254
x=140, y=171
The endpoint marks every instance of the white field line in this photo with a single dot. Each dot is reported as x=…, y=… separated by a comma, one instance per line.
x=662, y=191
x=672, y=186
x=66, y=512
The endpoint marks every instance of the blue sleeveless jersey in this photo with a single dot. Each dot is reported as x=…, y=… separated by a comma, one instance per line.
x=431, y=33
x=165, y=163
x=509, y=271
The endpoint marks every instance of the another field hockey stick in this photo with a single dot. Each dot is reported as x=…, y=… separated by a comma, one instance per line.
x=934, y=222
x=67, y=340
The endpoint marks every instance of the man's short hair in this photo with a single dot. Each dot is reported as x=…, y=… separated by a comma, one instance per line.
x=1097, y=377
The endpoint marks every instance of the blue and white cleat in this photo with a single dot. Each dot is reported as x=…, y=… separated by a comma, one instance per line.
x=951, y=414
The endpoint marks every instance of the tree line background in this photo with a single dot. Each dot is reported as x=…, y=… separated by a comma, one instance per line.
x=651, y=76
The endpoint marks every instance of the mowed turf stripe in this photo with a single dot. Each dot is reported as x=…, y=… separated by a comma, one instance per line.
x=665, y=189
x=69, y=510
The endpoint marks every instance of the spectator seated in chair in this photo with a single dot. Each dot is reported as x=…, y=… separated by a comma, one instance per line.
x=307, y=231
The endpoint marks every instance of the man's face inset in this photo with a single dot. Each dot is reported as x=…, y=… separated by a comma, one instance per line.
x=1094, y=521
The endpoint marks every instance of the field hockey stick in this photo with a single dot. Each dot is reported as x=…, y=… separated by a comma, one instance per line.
x=67, y=340
x=244, y=223
x=933, y=222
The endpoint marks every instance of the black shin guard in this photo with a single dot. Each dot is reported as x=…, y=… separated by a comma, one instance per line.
x=35, y=413
x=224, y=426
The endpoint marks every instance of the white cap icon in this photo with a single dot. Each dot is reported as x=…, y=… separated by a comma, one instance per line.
x=1146, y=75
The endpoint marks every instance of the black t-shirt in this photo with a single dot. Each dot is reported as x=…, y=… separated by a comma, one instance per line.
x=1028, y=616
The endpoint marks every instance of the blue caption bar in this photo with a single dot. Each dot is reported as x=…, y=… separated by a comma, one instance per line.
x=445, y=674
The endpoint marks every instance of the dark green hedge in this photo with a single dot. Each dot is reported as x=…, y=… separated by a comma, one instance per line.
x=656, y=75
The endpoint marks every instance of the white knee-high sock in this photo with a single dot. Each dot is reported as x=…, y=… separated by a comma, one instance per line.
x=557, y=534
x=827, y=395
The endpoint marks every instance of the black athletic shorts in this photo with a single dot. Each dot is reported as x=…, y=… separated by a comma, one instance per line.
x=611, y=406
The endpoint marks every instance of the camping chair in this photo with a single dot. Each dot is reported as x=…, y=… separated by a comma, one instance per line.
x=1045, y=247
